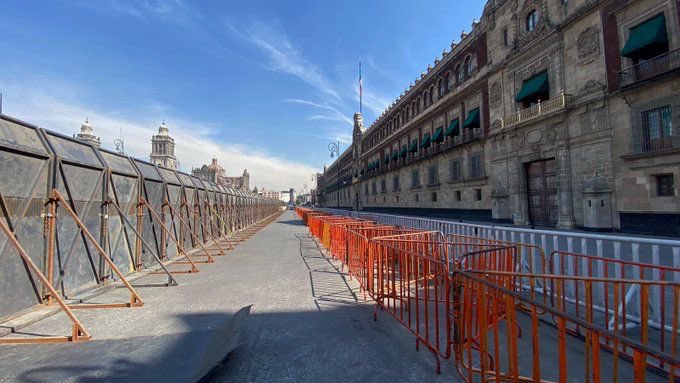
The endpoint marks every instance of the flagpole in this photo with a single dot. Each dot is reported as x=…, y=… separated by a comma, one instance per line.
x=361, y=90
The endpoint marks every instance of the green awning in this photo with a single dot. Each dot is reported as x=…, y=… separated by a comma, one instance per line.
x=438, y=135
x=395, y=155
x=425, y=142
x=646, y=38
x=453, y=130
x=413, y=147
x=370, y=165
x=472, y=118
x=403, y=151
x=387, y=160
x=376, y=164
x=532, y=87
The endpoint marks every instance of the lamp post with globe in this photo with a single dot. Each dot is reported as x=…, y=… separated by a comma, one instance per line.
x=334, y=148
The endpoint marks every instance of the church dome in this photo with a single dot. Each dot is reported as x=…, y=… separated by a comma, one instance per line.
x=163, y=129
x=86, y=128
x=214, y=166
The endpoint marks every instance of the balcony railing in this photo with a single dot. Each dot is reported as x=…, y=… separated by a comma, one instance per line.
x=467, y=136
x=651, y=68
x=656, y=145
x=541, y=108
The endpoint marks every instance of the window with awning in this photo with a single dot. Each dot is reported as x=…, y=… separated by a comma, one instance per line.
x=395, y=155
x=404, y=151
x=414, y=146
x=387, y=159
x=438, y=135
x=647, y=40
x=425, y=142
x=454, y=128
x=472, y=120
x=534, y=89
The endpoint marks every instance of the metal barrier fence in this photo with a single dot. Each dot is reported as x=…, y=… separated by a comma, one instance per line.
x=76, y=217
x=506, y=309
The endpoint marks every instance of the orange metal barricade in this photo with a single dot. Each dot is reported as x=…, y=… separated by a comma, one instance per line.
x=411, y=283
x=506, y=312
x=546, y=351
x=627, y=314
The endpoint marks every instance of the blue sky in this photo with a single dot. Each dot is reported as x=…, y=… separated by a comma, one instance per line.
x=263, y=85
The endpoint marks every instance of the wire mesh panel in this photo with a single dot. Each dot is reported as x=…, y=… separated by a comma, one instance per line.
x=173, y=193
x=80, y=178
x=201, y=197
x=153, y=191
x=24, y=175
x=123, y=190
x=189, y=195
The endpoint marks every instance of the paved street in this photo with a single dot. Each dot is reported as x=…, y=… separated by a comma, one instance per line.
x=307, y=323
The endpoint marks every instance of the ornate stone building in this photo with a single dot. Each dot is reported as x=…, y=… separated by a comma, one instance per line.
x=216, y=173
x=551, y=113
x=163, y=148
x=87, y=134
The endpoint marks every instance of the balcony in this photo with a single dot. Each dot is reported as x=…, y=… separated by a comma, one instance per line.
x=658, y=145
x=534, y=111
x=651, y=68
x=467, y=136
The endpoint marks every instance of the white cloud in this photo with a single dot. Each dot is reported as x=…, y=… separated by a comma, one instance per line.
x=139, y=9
x=55, y=105
x=283, y=56
x=334, y=113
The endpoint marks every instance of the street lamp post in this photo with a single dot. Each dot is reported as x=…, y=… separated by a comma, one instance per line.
x=334, y=148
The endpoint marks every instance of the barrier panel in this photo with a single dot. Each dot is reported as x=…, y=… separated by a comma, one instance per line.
x=547, y=349
x=74, y=217
x=506, y=312
x=412, y=285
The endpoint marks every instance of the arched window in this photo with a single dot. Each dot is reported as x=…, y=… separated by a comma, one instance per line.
x=418, y=105
x=431, y=99
x=413, y=109
x=532, y=20
x=440, y=86
x=459, y=73
x=425, y=104
x=447, y=81
x=468, y=66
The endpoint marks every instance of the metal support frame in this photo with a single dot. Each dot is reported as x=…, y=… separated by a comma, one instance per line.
x=135, y=299
x=180, y=249
x=78, y=332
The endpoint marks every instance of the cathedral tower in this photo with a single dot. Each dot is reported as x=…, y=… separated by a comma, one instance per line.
x=163, y=148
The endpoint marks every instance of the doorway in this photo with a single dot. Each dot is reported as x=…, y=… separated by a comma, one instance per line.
x=542, y=192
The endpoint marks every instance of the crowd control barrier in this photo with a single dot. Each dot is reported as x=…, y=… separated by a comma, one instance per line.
x=75, y=218
x=502, y=310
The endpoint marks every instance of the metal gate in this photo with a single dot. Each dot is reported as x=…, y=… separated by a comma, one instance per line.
x=542, y=192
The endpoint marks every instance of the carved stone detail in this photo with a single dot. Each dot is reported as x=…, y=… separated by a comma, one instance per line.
x=534, y=136
x=495, y=94
x=588, y=46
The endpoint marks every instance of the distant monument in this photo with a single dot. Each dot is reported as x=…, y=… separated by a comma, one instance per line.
x=216, y=174
x=163, y=148
x=87, y=134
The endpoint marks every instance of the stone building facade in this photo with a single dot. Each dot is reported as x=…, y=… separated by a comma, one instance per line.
x=550, y=113
x=163, y=148
x=216, y=173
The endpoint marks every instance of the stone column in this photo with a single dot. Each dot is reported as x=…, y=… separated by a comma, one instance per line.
x=564, y=190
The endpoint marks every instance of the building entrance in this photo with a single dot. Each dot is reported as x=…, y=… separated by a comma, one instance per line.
x=542, y=192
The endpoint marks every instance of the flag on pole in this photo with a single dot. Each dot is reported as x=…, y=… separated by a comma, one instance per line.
x=361, y=88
